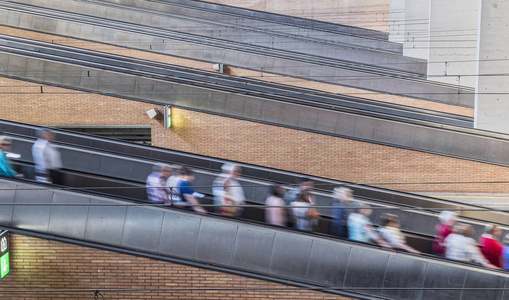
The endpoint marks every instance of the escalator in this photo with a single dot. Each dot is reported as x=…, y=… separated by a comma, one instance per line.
x=346, y=267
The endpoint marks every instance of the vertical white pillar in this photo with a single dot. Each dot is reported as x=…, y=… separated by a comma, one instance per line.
x=416, y=28
x=396, y=20
x=453, y=31
x=492, y=90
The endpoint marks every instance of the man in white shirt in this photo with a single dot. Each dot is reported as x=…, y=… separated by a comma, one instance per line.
x=46, y=158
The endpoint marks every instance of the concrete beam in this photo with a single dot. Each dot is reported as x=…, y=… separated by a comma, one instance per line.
x=416, y=28
x=453, y=31
x=491, y=105
x=396, y=21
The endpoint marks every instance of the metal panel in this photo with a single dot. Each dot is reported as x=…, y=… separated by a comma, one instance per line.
x=327, y=121
x=235, y=105
x=83, y=161
x=32, y=217
x=346, y=124
x=328, y=263
x=217, y=102
x=253, y=108
x=105, y=223
x=179, y=235
x=308, y=118
x=142, y=228
x=290, y=256
x=71, y=75
x=443, y=276
x=253, y=249
x=17, y=66
x=403, y=135
x=497, y=151
x=365, y=128
x=7, y=194
x=139, y=170
x=22, y=148
x=4, y=62
x=404, y=272
x=216, y=242
x=291, y=115
x=272, y=111
x=13, y=19
x=366, y=268
x=69, y=220
x=115, y=167
x=483, y=280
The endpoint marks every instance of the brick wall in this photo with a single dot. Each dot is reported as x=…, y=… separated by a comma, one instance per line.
x=38, y=264
x=371, y=14
x=325, y=156
x=23, y=101
x=254, y=143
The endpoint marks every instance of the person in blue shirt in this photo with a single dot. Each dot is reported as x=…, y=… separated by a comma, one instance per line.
x=505, y=252
x=187, y=192
x=5, y=163
x=342, y=209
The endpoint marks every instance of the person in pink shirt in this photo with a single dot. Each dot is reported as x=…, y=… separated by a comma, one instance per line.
x=490, y=246
x=442, y=230
x=275, y=212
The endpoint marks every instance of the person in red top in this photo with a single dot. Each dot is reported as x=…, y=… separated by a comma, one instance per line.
x=490, y=246
x=442, y=230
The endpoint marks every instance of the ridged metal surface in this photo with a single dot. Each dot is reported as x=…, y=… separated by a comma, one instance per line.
x=234, y=55
x=221, y=242
x=256, y=189
x=194, y=23
x=441, y=141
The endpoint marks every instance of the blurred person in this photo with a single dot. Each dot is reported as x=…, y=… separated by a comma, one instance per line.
x=490, y=246
x=187, y=192
x=361, y=229
x=303, y=212
x=46, y=158
x=303, y=185
x=157, y=191
x=5, y=163
x=442, y=230
x=275, y=212
x=234, y=193
x=172, y=184
x=505, y=252
x=342, y=200
x=459, y=245
x=391, y=233
x=218, y=187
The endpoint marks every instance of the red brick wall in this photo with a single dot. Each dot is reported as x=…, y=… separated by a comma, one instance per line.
x=38, y=264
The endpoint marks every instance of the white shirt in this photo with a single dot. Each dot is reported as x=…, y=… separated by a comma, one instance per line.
x=46, y=156
x=172, y=183
x=459, y=247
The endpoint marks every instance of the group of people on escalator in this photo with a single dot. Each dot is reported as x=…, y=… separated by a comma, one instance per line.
x=294, y=208
x=454, y=241
x=46, y=158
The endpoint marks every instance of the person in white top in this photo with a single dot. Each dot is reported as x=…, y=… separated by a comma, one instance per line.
x=275, y=212
x=390, y=232
x=227, y=190
x=46, y=158
x=460, y=246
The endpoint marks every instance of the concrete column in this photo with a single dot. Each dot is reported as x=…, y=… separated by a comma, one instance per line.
x=416, y=28
x=492, y=90
x=396, y=20
x=453, y=31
